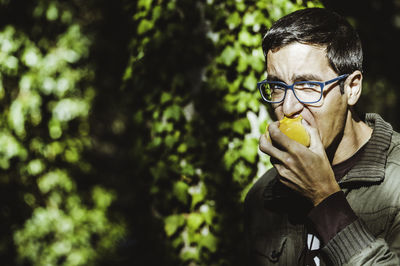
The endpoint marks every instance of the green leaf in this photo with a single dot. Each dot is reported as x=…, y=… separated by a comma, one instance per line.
x=177, y=242
x=243, y=62
x=165, y=97
x=240, y=5
x=182, y=148
x=198, y=193
x=156, y=12
x=245, y=38
x=52, y=12
x=55, y=179
x=230, y=158
x=241, y=172
x=228, y=55
x=210, y=242
x=180, y=191
x=311, y=4
x=208, y=213
x=250, y=82
x=243, y=101
x=233, y=20
x=263, y=126
x=235, y=86
x=241, y=126
x=35, y=167
x=174, y=112
x=172, y=223
x=146, y=4
x=257, y=58
x=144, y=26
x=249, y=150
x=249, y=19
x=191, y=253
x=194, y=221
x=188, y=170
x=170, y=140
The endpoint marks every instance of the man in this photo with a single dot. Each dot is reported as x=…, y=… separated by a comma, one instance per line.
x=337, y=201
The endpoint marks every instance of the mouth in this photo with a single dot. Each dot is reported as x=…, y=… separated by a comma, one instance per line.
x=304, y=118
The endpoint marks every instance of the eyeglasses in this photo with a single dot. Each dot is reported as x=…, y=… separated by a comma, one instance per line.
x=304, y=91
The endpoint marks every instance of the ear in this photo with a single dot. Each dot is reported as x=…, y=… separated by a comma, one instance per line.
x=353, y=87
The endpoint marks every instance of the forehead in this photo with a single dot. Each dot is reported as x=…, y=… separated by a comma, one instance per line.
x=297, y=59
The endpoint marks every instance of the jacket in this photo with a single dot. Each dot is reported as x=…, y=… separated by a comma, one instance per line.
x=276, y=218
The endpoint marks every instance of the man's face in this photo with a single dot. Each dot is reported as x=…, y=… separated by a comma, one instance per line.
x=301, y=62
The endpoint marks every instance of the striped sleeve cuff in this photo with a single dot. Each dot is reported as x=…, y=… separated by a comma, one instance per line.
x=348, y=242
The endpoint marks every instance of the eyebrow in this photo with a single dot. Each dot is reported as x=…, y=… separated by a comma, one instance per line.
x=296, y=78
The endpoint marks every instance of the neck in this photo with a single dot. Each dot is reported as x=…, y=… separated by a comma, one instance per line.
x=355, y=134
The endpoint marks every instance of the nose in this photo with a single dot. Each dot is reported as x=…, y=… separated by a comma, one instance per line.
x=291, y=106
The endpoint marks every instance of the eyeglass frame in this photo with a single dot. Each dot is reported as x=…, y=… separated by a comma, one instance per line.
x=286, y=86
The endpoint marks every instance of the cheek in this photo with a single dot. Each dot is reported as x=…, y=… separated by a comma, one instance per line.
x=278, y=112
x=330, y=120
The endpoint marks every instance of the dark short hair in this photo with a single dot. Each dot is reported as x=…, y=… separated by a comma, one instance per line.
x=319, y=26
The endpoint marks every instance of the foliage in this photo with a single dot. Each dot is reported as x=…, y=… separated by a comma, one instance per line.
x=46, y=94
x=129, y=132
x=194, y=67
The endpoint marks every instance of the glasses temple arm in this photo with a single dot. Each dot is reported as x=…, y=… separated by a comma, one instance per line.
x=336, y=79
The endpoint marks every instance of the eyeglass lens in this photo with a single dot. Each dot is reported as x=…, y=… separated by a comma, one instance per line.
x=304, y=91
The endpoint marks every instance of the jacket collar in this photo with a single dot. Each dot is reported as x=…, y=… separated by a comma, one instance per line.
x=370, y=169
x=372, y=164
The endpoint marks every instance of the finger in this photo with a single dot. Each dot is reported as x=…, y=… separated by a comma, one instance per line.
x=287, y=183
x=286, y=177
x=266, y=146
x=283, y=171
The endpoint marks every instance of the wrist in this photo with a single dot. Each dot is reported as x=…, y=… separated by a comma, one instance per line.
x=323, y=194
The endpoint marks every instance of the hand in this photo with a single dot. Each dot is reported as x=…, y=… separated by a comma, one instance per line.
x=306, y=170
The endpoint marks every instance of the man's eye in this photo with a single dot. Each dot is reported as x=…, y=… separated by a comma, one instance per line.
x=310, y=85
x=307, y=85
x=277, y=87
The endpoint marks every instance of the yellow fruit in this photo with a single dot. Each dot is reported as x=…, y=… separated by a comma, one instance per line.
x=293, y=128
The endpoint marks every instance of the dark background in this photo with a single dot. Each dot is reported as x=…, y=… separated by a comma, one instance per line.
x=378, y=24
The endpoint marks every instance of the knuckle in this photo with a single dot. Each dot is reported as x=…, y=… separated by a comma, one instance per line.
x=264, y=143
x=288, y=160
x=273, y=127
x=261, y=139
x=274, y=132
x=285, y=174
x=298, y=153
x=281, y=170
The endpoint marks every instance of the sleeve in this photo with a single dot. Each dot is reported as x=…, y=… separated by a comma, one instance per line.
x=346, y=238
x=331, y=216
x=354, y=245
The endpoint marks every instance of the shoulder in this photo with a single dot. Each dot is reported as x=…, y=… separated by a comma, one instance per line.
x=391, y=184
x=394, y=149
